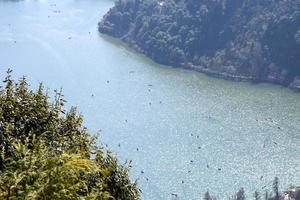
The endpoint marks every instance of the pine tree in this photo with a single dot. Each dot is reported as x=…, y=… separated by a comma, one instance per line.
x=276, y=188
x=207, y=196
x=256, y=195
x=240, y=195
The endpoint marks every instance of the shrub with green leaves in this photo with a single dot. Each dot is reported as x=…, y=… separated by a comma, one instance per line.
x=46, y=153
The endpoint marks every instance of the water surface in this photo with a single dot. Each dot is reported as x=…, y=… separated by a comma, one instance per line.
x=162, y=117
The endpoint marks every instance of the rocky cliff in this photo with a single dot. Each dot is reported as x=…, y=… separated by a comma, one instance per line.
x=256, y=40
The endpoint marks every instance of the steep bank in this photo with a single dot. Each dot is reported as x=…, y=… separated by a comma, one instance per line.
x=238, y=40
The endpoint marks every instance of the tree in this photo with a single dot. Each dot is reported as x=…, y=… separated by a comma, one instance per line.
x=276, y=188
x=46, y=153
x=256, y=195
x=252, y=40
x=240, y=195
x=266, y=195
x=207, y=196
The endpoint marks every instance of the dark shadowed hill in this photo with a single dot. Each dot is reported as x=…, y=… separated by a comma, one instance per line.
x=257, y=40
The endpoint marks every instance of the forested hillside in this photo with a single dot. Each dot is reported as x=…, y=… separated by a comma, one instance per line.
x=257, y=40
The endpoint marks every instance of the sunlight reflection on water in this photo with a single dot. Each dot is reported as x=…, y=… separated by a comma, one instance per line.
x=188, y=133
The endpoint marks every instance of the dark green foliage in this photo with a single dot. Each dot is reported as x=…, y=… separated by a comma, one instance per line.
x=46, y=153
x=256, y=195
x=240, y=195
x=281, y=38
x=208, y=197
x=292, y=194
x=266, y=195
x=276, y=188
x=237, y=39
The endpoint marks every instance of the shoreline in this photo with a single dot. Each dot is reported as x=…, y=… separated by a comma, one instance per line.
x=200, y=69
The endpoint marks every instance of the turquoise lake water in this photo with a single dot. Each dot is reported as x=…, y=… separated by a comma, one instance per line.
x=162, y=117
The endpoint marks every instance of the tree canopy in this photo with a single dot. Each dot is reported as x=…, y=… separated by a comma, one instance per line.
x=236, y=39
x=46, y=152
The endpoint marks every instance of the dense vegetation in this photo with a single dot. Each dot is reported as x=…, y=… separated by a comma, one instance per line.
x=292, y=194
x=46, y=153
x=257, y=40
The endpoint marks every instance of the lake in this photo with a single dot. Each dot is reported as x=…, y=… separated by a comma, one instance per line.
x=187, y=132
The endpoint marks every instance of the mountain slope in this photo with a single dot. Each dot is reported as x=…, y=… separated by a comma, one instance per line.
x=241, y=40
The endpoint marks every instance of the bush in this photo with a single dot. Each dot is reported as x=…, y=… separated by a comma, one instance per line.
x=46, y=153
